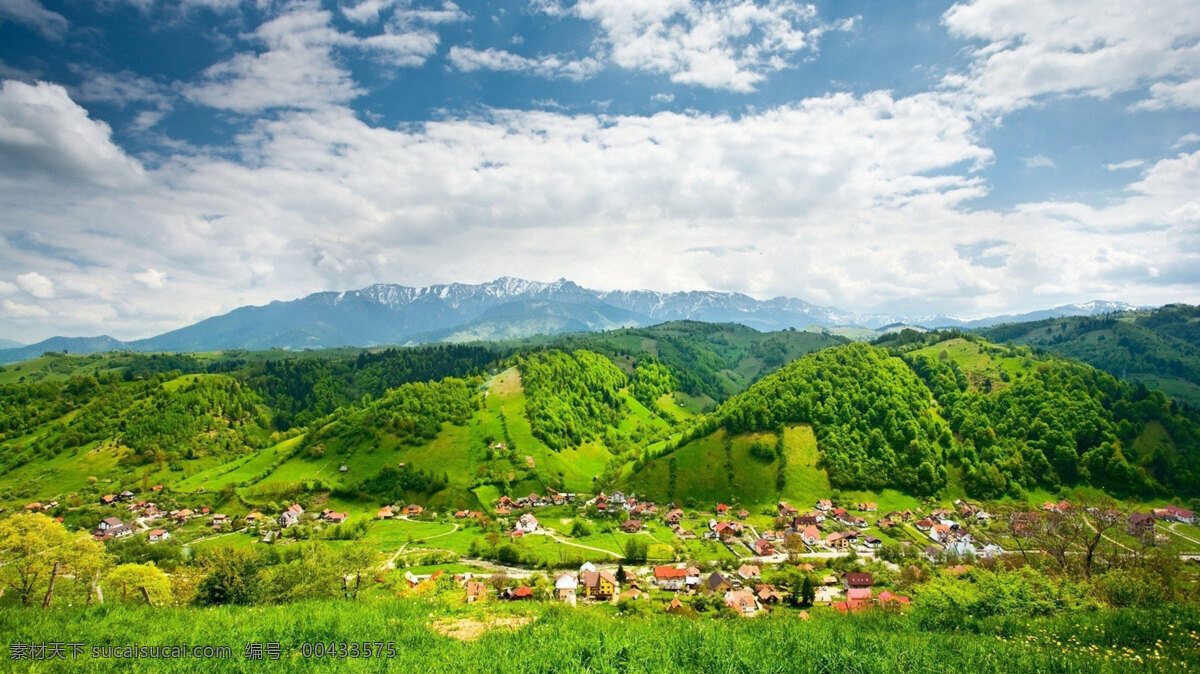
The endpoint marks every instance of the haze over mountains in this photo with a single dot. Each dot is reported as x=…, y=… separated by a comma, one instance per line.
x=500, y=309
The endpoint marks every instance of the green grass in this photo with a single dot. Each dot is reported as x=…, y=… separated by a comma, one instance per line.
x=595, y=639
x=238, y=471
x=979, y=362
x=701, y=476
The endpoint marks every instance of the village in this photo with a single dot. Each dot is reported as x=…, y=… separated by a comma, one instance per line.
x=614, y=548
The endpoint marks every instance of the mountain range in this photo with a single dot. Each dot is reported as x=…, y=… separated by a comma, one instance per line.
x=500, y=309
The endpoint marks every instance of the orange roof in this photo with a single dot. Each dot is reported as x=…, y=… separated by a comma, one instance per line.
x=666, y=572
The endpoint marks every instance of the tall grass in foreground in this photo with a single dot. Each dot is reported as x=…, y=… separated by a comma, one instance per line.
x=576, y=640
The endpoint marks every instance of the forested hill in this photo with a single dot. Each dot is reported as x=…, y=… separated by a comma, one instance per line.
x=875, y=421
x=1023, y=420
x=926, y=412
x=1160, y=347
x=683, y=410
x=708, y=361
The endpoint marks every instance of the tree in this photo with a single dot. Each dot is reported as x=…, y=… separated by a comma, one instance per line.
x=636, y=549
x=138, y=583
x=808, y=591
x=35, y=551
x=231, y=576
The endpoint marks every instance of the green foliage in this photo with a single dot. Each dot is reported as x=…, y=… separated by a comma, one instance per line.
x=570, y=397
x=708, y=361
x=412, y=412
x=230, y=576
x=651, y=379
x=128, y=581
x=596, y=639
x=948, y=603
x=872, y=416
x=393, y=483
x=1161, y=345
x=303, y=390
x=1061, y=423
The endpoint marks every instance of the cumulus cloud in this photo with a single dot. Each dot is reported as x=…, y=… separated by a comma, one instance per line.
x=726, y=44
x=32, y=14
x=332, y=201
x=1172, y=95
x=35, y=284
x=1038, y=161
x=816, y=198
x=404, y=11
x=1071, y=47
x=45, y=133
x=299, y=68
x=151, y=278
x=127, y=89
x=1186, y=139
x=19, y=311
x=468, y=60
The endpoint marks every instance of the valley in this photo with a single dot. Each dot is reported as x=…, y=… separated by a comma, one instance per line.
x=768, y=470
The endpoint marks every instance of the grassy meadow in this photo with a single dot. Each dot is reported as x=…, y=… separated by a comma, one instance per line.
x=439, y=634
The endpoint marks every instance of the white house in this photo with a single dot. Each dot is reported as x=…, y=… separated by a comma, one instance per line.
x=565, y=586
x=527, y=524
x=109, y=523
x=991, y=550
x=960, y=549
x=743, y=601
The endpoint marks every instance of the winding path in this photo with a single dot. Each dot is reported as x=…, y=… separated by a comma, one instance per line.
x=391, y=562
x=1171, y=528
x=556, y=537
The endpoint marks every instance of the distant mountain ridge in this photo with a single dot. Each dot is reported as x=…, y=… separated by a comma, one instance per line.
x=1093, y=308
x=505, y=308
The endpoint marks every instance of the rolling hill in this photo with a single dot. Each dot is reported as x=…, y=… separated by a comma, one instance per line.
x=789, y=415
x=1160, y=347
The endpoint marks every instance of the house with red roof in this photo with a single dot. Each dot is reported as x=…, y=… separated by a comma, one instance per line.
x=670, y=577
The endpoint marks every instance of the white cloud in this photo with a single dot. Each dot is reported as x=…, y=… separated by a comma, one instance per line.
x=151, y=278
x=1186, y=139
x=468, y=60
x=323, y=199
x=43, y=132
x=128, y=89
x=404, y=11
x=1172, y=95
x=299, y=66
x=662, y=98
x=21, y=311
x=725, y=44
x=7, y=288
x=1038, y=161
x=37, y=285
x=1127, y=164
x=32, y=14
x=1076, y=47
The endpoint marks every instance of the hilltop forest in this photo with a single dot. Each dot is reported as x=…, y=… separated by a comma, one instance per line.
x=921, y=413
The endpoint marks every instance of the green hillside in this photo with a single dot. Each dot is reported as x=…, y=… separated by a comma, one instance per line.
x=922, y=414
x=1025, y=420
x=1159, y=348
x=874, y=419
x=708, y=361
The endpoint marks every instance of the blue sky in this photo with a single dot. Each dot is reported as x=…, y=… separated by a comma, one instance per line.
x=164, y=161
